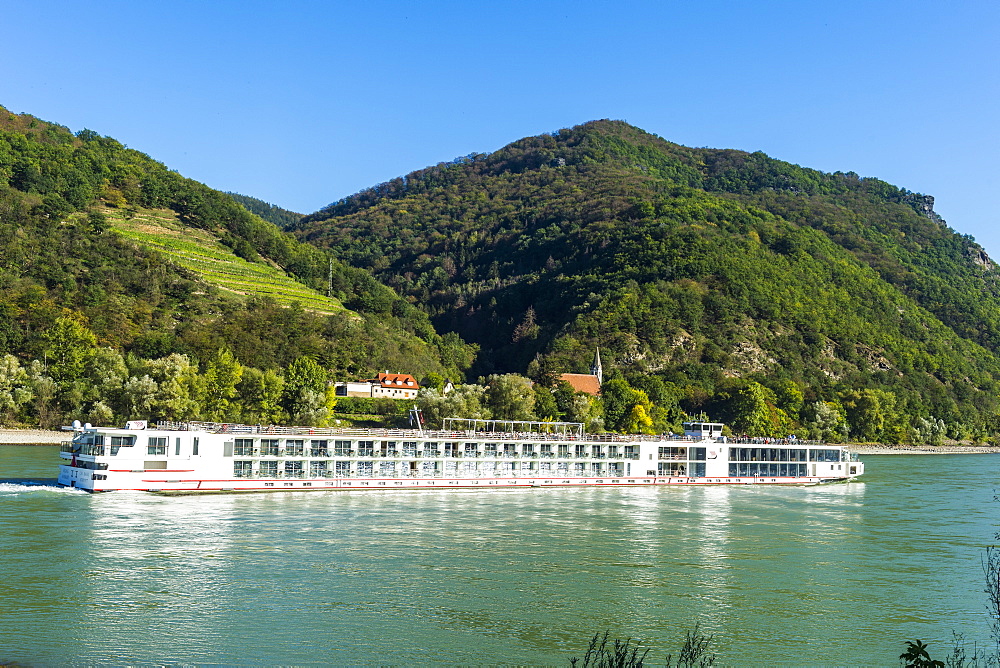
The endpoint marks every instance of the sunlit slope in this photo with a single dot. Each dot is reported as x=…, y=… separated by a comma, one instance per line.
x=202, y=253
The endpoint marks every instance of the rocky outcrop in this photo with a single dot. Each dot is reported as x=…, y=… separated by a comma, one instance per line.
x=924, y=205
x=979, y=257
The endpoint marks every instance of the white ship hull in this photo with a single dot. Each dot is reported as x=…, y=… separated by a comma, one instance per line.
x=198, y=458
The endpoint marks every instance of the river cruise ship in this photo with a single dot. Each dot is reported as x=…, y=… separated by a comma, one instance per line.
x=195, y=457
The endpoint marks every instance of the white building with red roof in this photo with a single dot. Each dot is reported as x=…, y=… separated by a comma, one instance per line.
x=391, y=385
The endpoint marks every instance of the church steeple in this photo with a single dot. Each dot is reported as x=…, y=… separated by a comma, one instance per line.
x=595, y=367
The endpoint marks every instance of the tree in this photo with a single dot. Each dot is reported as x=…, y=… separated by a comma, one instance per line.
x=789, y=397
x=930, y=431
x=546, y=407
x=307, y=396
x=43, y=391
x=221, y=378
x=620, y=406
x=69, y=344
x=666, y=412
x=825, y=421
x=434, y=381
x=639, y=421
x=869, y=412
x=178, y=387
x=465, y=401
x=510, y=397
x=755, y=412
x=14, y=389
x=260, y=396
x=587, y=410
x=138, y=397
x=105, y=376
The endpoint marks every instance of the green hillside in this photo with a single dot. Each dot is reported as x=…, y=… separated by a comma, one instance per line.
x=129, y=291
x=207, y=257
x=700, y=273
x=283, y=218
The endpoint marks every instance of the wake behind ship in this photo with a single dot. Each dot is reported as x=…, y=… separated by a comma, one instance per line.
x=208, y=457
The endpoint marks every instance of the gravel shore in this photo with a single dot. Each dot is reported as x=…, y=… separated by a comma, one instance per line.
x=924, y=449
x=32, y=437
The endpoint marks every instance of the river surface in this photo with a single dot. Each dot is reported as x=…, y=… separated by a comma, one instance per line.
x=838, y=574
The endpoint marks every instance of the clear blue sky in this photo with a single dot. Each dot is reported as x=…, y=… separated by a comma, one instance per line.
x=302, y=102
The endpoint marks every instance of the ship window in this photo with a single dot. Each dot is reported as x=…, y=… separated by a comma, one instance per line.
x=157, y=445
x=243, y=447
x=177, y=447
x=123, y=440
x=194, y=446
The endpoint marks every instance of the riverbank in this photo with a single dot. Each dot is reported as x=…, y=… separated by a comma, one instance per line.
x=32, y=437
x=45, y=437
x=878, y=449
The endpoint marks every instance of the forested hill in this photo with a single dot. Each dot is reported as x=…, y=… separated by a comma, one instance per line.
x=104, y=249
x=696, y=271
x=283, y=218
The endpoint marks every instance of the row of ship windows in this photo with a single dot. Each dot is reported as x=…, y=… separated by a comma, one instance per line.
x=298, y=469
x=784, y=455
x=245, y=447
x=738, y=470
x=758, y=470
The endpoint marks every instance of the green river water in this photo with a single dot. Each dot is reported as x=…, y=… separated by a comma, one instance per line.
x=838, y=574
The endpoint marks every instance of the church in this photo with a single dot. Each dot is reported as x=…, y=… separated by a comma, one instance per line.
x=588, y=383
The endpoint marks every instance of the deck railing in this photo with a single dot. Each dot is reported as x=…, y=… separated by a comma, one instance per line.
x=468, y=435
